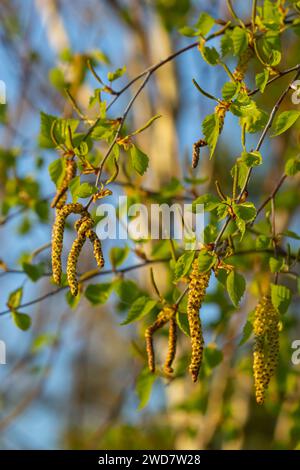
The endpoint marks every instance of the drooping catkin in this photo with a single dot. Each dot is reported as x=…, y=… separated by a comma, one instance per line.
x=61, y=196
x=98, y=254
x=197, y=289
x=266, y=346
x=162, y=318
x=196, y=152
x=243, y=64
x=172, y=342
x=57, y=237
x=72, y=263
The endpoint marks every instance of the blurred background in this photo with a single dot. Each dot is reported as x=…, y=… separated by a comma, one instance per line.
x=70, y=380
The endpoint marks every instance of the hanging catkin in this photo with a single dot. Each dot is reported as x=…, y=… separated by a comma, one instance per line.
x=266, y=346
x=97, y=248
x=162, y=318
x=171, y=345
x=72, y=263
x=197, y=289
x=61, y=196
x=57, y=237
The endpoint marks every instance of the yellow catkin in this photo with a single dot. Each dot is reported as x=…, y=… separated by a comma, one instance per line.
x=162, y=318
x=171, y=345
x=57, y=237
x=60, y=196
x=98, y=254
x=243, y=64
x=266, y=346
x=72, y=263
x=221, y=110
x=197, y=289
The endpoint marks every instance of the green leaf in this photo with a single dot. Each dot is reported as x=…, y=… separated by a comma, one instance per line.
x=245, y=211
x=239, y=40
x=204, y=23
x=206, y=260
x=210, y=202
x=144, y=386
x=139, y=159
x=140, y=307
x=188, y=31
x=33, y=271
x=98, y=293
x=275, y=264
x=251, y=159
x=291, y=234
x=118, y=255
x=212, y=356
x=73, y=187
x=183, y=323
x=116, y=74
x=211, y=130
x=284, y=121
x=57, y=79
x=42, y=341
x=247, y=331
x=15, y=298
x=281, y=297
x=61, y=130
x=127, y=290
x=183, y=265
x=230, y=90
x=21, y=320
x=84, y=190
x=236, y=286
x=210, y=55
x=57, y=171
x=292, y=166
x=275, y=58
x=261, y=79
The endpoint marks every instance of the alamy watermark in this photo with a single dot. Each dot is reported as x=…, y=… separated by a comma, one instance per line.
x=2, y=92
x=2, y=352
x=296, y=95
x=296, y=354
x=183, y=223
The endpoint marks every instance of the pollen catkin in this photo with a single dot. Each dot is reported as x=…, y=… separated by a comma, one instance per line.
x=197, y=289
x=241, y=69
x=60, y=196
x=171, y=345
x=221, y=110
x=266, y=346
x=57, y=237
x=162, y=318
x=98, y=254
x=72, y=263
x=196, y=152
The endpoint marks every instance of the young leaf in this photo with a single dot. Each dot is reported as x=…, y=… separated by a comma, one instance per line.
x=148, y=124
x=98, y=293
x=139, y=159
x=210, y=55
x=261, y=80
x=15, y=298
x=212, y=356
x=118, y=255
x=206, y=260
x=116, y=74
x=292, y=166
x=56, y=171
x=182, y=322
x=210, y=127
x=21, y=320
x=281, y=297
x=247, y=331
x=239, y=39
x=284, y=121
x=183, y=265
x=84, y=190
x=144, y=386
x=204, y=23
x=210, y=202
x=140, y=307
x=236, y=286
x=33, y=271
x=230, y=90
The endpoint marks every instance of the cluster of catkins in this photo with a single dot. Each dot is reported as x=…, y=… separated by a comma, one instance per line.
x=266, y=331
x=197, y=289
x=83, y=227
